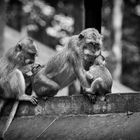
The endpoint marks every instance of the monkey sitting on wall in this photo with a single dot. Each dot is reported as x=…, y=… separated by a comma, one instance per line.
x=17, y=60
x=67, y=65
x=99, y=78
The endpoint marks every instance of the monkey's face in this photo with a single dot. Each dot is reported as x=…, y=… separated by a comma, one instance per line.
x=100, y=60
x=26, y=53
x=91, y=42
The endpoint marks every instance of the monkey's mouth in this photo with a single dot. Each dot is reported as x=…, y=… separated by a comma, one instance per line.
x=88, y=52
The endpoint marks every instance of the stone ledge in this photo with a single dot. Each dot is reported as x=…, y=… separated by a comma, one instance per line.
x=115, y=103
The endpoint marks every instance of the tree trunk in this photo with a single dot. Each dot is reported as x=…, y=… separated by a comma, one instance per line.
x=117, y=17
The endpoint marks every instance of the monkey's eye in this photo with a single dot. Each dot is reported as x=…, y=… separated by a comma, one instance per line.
x=81, y=36
x=18, y=47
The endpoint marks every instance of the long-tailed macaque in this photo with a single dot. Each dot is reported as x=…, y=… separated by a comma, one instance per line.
x=67, y=65
x=91, y=50
x=99, y=78
x=17, y=60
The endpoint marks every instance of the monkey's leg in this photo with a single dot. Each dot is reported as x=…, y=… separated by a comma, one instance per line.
x=49, y=82
x=45, y=87
x=96, y=85
x=25, y=97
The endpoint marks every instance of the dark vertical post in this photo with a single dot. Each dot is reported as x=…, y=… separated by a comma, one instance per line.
x=79, y=16
x=93, y=10
x=93, y=14
x=2, y=23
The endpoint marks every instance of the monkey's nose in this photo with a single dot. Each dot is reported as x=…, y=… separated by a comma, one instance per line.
x=29, y=61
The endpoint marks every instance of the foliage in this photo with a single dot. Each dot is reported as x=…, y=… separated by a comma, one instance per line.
x=130, y=41
x=52, y=24
x=45, y=20
x=131, y=44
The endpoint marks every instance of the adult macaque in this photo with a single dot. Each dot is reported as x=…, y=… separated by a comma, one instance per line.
x=91, y=49
x=99, y=78
x=17, y=60
x=67, y=65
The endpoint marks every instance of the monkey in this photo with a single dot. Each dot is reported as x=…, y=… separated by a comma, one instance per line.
x=90, y=56
x=100, y=80
x=17, y=60
x=67, y=65
x=91, y=49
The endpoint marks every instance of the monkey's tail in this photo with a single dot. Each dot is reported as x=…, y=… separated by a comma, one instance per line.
x=10, y=118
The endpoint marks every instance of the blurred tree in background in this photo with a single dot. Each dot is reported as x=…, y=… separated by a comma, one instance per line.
x=130, y=44
x=52, y=21
x=2, y=23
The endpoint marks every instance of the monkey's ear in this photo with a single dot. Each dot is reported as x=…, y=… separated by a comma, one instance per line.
x=18, y=47
x=102, y=37
x=81, y=36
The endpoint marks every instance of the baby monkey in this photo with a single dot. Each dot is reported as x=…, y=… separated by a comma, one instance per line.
x=100, y=80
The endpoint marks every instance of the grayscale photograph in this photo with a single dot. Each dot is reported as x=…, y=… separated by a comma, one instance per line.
x=69, y=70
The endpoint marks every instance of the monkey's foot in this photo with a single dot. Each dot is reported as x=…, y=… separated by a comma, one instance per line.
x=34, y=94
x=89, y=90
x=92, y=98
x=102, y=98
x=32, y=99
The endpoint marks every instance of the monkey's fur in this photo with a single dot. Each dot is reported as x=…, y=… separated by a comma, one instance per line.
x=99, y=78
x=16, y=61
x=67, y=65
x=91, y=49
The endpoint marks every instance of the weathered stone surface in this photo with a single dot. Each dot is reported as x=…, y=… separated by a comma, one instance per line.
x=114, y=126
x=115, y=103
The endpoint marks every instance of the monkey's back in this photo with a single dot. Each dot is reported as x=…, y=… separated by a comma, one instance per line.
x=59, y=69
x=101, y=71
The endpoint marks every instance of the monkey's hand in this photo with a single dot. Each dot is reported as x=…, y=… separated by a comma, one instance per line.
x=89, y=75
x=33, y=100
x=36, y=68
x=88, y=93
x=89, y=90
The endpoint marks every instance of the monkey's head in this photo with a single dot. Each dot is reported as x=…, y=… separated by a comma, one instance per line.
x=100, y=60
x=23, y=54
x=91, y=41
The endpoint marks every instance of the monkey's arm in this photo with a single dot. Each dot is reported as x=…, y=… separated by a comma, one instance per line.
x=80, y=72
x=89, y=75
x=47, y=81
